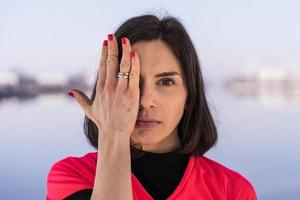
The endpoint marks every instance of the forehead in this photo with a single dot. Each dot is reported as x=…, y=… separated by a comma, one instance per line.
x=155, y=57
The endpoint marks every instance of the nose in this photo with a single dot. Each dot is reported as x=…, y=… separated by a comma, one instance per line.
x=146, y=98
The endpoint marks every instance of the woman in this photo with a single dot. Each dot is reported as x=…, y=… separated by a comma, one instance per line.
x=154, y=124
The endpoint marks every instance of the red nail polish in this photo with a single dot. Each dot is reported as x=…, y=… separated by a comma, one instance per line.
x=71, y=94
x=110, y=37
x=105, y=43
x=132, y=54
x=123, y=40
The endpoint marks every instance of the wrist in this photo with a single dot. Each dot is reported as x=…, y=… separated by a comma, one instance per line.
x=111, y=138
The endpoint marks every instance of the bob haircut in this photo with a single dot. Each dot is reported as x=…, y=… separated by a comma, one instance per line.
x=196, y=129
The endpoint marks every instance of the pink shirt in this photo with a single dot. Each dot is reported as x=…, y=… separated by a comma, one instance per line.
x=203, y=179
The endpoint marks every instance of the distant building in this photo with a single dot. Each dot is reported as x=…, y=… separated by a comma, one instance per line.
x=18, y=84
x=51, y=79
x=266, y=80
x=8, y=79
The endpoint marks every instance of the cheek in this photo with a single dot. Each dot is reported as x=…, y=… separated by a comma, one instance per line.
x=168, y=92
x=173, y=108
x=172, y=93
x=174, y=97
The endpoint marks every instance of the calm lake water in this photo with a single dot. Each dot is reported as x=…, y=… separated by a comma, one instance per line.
x=258, y=137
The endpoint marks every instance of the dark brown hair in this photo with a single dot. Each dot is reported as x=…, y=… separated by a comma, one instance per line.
x=197, y=130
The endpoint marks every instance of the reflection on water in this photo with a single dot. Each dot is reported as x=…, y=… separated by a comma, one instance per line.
x=258, y=140
x=271, y=87
x=270, y=98
x=277, y=100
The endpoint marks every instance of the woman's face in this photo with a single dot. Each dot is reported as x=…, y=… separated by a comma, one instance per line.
x=162, y=98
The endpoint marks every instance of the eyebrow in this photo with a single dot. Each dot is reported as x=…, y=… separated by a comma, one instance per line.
x=172, y=73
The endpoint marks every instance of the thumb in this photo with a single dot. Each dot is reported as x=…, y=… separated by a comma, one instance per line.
x=82, y=99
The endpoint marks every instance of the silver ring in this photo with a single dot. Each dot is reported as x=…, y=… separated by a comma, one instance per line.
x=123, y=74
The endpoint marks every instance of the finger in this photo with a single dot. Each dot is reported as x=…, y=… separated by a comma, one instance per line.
x=102, y=67
x=125, y=64
x=84, y=102
x=134, y=72
x=112, y=62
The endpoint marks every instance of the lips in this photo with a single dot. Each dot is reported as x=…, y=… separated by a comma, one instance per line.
x=148, y=121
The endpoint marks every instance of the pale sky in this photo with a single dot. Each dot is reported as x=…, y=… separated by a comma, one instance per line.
x=230, y=36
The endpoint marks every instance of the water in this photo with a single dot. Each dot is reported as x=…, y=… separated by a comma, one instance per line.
x=258, y=139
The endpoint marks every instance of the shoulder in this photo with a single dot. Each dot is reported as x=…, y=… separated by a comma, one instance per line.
x=85, y=160
x=213, y=167
x=233, y=184
x=71, y=174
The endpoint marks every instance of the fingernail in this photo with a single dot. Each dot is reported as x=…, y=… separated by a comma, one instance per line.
x=123, y=40
x=132, y=54
x=71, y=94
x=110, y=37
x=105, y=43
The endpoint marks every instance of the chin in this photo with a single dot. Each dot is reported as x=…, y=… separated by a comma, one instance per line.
x=144, y=138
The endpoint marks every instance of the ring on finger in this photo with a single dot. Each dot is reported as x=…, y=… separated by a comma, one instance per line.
x=123, y=74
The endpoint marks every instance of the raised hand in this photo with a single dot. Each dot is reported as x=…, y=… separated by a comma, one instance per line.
x=115, y=107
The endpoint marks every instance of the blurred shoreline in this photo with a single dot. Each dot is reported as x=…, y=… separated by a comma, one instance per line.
x=271, y=86
x=16, y=84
